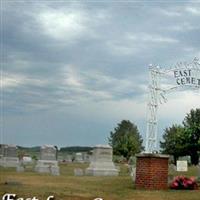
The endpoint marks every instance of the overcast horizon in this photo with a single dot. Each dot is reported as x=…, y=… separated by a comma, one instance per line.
x=72, y=70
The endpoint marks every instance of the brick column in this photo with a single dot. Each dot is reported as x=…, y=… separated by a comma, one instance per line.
x=152, y=171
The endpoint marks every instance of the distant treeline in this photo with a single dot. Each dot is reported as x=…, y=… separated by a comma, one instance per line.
x=72, y=149
x=29, y=149
x=76, y=149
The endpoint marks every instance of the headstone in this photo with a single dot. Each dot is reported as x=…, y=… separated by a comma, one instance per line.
x=172, y=170
x=182, y=165
x=133, y=173
x=48, y=160
x=20, y=168
x=27, y=160
x=48, y=152
x=132, y=167
x=132, y=161
x=9, y=156
x=2, y=149
x=86, y=157
x=79, y=158
x=68, y=158
x=101, y=163
x=78, y=172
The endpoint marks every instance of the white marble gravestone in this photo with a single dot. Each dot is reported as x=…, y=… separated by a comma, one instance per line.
x=20, y=167
x=101, y=162
x=48, y=160
x=79, y=158
x=8, y=156
x=182, y=165
x=27, y=160
x=86, y=158
x=133, y=173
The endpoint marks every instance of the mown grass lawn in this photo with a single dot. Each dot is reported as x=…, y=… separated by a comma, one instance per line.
x=69, y=187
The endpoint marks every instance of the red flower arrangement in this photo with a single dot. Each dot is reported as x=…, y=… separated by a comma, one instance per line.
x=182, y=182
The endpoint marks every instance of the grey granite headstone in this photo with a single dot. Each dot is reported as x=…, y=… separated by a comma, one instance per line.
x=172, y=170
x=48, y=162
x=9, y=156
x=2, y=150
x=79, y=158
x=102, y=164
x=48, y=152
x=133, y=173
x=10, y=151
x=86, y=157
x=20, y=168
x=132, y=161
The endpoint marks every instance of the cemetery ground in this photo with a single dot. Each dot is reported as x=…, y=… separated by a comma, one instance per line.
x=67, y=186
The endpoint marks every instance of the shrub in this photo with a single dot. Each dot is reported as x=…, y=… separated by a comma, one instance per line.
x=182, y=182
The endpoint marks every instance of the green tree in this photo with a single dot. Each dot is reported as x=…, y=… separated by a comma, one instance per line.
x=192, y=134
x=125, y=139
x=184, y=140
x=173, y=143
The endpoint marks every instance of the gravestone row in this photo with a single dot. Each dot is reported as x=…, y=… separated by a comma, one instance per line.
x=101, y=163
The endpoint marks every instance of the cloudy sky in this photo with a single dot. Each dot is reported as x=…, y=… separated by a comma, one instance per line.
x=72, y=70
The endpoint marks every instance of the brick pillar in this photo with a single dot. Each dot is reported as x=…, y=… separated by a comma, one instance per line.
x=152, y=171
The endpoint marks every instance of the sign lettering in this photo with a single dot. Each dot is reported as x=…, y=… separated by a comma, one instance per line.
x=187, y=77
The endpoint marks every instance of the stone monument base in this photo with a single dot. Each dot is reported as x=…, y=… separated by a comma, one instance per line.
x=102, y=169
x=48, y=166
x=151, y=171
x=9, y=162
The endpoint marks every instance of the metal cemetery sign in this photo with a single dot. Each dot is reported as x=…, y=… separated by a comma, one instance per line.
x=183, y=75
x=186, y=77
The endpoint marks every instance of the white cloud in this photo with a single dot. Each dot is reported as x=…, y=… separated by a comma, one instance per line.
x=62, y=25
x=79, y=85
x=123, y=48
x=71, y=78
x=152, y=38
x=170, y=12
x=189, y=50
x=94, y=85
x=112, y=110
x=183, y=27
x=193, y=10
x=198, y=54
x=134, y=43
x=180, y=11
x=9, y=80
x=180, y=103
